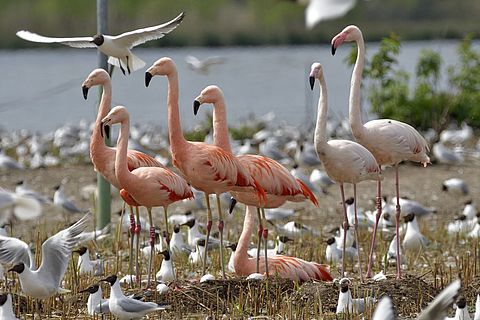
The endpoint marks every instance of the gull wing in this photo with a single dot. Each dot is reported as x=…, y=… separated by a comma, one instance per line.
x=136, y=306
x=76, y=42
x=13, y=251
x=136, y=37
x=384, y=310
x=56, y=250
x=437, y=308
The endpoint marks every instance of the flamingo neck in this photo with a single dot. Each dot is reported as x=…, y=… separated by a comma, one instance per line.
x=220, y=126
x=320, y=138
x=103, y=109
x=355, y=113
x=121, y=167
x=175, y=132
x=241, y=259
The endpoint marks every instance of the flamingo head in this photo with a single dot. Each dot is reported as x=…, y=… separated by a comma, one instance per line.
x=96, y=77
x=117, y=114
x=350, y=33
x=162, y=67
x=210, y=94
x=316, y=72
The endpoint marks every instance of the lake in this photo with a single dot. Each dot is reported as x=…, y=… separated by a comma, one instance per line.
x=41, y=88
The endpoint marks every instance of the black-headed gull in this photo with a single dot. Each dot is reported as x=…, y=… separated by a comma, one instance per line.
x=414, y=240
x=6, y=309
x=22, y=189
x=346, y=304
x=178, y=247
x=116, y=47
x=87, y=266
x=461, y=312
x=203, y=66
x=279, y=247
x=45, y=281
x=455, y=185
x=126, y=308
x=60, y=200
x=166, y=273
x=95, y=303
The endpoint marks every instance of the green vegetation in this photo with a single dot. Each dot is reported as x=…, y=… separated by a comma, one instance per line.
x=238, y=22
x=425, y=104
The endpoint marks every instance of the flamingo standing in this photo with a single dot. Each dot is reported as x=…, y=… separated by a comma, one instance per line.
x=390, y=141
x=276, y=180
x=345, y=161
x=103, y=156
x=148, y=186
x=207, y=168
x=288, y=267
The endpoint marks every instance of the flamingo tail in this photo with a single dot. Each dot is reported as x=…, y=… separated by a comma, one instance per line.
x=308, y=193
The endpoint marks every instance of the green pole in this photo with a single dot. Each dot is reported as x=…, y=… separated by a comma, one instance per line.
x=103, y=202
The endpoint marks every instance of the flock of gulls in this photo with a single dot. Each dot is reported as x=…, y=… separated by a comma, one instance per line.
x=253, y=173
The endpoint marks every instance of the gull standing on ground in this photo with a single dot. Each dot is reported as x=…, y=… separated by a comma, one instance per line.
x=390, y=141
x=95, y=303
x=455, y=185
x=87, y=266
x=8, y=163
x=60, y=200
x=413, y=240
x=346, y=304
x=461, y=313
x=344, y=161
x=116, y=47
x=166, y=273
x=46, y=280
x=178, y=246
x=126, y=308
x=6, y=309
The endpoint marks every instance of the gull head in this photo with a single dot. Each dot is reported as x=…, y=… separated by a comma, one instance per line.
x=350, y=33
x=166, y=254
x=18, y=268
x=190, y=223
x=92, y=289
x=330, y=241
x=409, y=217
x=162, y=67
x=98, y=39
x=110, y=279
x=3, y=298
x=81, y=251
x=232, y=246
x=176, y=228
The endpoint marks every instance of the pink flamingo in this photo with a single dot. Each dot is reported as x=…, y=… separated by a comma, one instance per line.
x=390, y=141
x=344, y=161
x=103, y=156
x=292, y=268
x=148, y=186
x=276, y=180
x=207, y=168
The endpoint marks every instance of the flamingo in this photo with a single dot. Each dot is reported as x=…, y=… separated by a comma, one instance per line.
x=288, y=267
x=344, y=161
x=207, y=168
x=103, y=156
x=390, y=141
x=148, y=186
x=276, y=180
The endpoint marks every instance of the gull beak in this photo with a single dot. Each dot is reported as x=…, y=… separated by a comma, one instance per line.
x=196, y=106
x=148, y=78
x=312, y=82
x=85, y=92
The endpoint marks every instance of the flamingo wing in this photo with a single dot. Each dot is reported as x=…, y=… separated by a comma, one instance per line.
x=296, y=269
x=137, y=159
x=176, y=187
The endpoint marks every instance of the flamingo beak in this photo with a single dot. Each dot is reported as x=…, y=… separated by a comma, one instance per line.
x=148, y=78
x=312, y=82
x=85, y=92
x=233, y=202
x=196, y=106
x=337, y=41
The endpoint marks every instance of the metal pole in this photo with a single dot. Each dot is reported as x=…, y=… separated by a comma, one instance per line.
x=103, y=202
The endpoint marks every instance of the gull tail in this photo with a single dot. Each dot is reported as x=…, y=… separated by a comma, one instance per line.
x=308, y=193
x=134, y=62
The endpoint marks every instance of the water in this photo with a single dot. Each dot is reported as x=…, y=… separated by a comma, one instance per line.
x=41, y=88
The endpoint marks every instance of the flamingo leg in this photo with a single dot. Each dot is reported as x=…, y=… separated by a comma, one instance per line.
x=220, y=228
x=166, y=227
x=355, y=227
x=209, y=227
x=152, y=245
x=377, y=218
x=345, y=228
x=131, y=231
x=397, y=225
x=138, y=229
x=265, y=238
x=260, y=233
